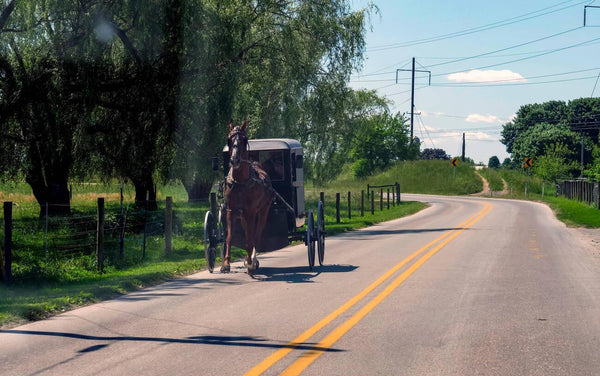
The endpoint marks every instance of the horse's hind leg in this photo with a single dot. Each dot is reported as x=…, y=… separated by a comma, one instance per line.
x=250, y=225
x=260, y=222
x=226, y=267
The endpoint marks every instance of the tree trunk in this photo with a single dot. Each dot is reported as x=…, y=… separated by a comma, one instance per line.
x=55, y=193
x=197, y=190
x=145, y=186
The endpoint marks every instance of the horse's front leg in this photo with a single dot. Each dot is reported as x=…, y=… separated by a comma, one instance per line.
x=226, y=267
x=250, y=260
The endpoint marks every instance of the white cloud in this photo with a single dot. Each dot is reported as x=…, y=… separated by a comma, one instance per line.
x=477, y=118
x=477, y=75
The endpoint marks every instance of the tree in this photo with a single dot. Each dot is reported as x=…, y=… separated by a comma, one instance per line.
x=534, y=142
x=431, y=153
x=494, y=162
x=381, y=140
x=529, y=115
x=40, y=104
x=593, y=170
x=555, y=163
x=507, y=163
x=584, y=116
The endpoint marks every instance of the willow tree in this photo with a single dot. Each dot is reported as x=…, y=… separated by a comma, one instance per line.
x=266, y=62
x=40, y=105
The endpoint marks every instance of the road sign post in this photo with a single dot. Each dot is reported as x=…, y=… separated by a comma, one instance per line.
x=454, y=163
x=527, y=164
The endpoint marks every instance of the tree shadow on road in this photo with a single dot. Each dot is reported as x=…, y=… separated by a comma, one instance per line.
x=239, y=341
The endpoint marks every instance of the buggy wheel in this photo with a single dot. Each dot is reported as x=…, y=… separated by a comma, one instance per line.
x=310, y=238
x=210, y=241
x=320, y=231
x=221, y=235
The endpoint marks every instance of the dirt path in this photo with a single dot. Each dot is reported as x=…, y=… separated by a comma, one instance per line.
x=486, y=188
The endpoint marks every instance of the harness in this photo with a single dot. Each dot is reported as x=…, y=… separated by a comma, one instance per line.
x=255, y=178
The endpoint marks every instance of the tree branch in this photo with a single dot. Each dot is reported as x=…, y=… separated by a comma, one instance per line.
x=6, y=13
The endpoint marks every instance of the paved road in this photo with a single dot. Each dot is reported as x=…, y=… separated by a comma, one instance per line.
x=469, y=286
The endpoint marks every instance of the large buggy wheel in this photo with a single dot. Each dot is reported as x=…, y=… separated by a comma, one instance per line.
x=221, y=231
x=320, y=231
x=310, y=238
x=210, y=241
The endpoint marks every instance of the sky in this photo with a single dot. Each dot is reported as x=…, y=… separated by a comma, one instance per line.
x=486, y=58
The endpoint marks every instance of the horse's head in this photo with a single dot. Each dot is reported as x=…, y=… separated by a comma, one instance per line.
x=238, y=144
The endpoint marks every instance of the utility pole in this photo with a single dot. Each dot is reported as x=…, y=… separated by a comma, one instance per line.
x=463, y=148
x=412, y=93
x=585, y=12
x=412, y=99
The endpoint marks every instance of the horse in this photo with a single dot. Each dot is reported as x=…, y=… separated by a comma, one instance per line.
x=248, y=196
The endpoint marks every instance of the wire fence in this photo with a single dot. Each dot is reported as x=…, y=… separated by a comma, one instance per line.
x=58, y=247
x=100, y=235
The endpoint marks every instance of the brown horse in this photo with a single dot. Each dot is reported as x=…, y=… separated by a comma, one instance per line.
x=248, y=196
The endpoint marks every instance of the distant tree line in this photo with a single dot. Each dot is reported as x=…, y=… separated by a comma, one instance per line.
x=143, y=90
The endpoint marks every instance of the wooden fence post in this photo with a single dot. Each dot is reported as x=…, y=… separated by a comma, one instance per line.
x=7, y=242
x=398, y=193
x=100, y=235
x=322, y=198
x=349, y=205
x=388, y=199
x=168, y=224
x=380, y=199
x=337, y=208
x=362, y=203
x=372, y=203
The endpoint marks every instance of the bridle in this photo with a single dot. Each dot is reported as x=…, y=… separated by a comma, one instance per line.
x=238, y=142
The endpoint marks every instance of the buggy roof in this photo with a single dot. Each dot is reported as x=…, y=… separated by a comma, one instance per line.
x=272, y=144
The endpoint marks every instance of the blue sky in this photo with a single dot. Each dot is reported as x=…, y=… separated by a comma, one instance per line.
x=486, y=58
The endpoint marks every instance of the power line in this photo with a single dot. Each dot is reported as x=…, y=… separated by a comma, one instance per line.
x=509, y=21
x=525, y=58
x=594, y=89
x=510, y=47
x=486, y=55
x=504, y=82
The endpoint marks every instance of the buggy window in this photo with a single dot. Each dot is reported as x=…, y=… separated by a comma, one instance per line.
x=272, y=163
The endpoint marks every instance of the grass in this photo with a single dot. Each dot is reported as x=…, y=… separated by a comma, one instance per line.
x=75, y=282
x=493, y=178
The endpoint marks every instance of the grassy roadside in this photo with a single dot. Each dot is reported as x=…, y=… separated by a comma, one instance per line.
x=35, y=300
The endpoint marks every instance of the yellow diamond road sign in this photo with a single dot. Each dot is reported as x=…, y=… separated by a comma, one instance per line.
x=528, y=162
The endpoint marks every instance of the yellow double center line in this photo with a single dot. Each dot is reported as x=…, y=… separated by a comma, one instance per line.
x=311, y=355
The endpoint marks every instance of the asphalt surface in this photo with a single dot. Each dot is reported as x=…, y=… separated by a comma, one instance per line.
x=469, y=286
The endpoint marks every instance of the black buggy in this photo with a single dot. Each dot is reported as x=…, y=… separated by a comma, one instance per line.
x=287, y=221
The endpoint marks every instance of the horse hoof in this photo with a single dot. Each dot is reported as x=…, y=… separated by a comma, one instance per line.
x=225, y=269
x=253, y=268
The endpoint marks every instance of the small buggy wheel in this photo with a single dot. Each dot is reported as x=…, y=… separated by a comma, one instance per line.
x=320, y=231
x=210, y=241
x=310, y=238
